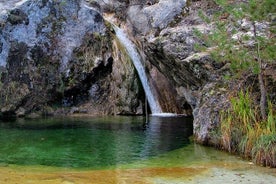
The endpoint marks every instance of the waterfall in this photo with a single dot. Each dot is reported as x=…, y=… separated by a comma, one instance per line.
x=138, y=64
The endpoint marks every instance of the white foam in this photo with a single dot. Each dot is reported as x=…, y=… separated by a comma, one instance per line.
x=167, y=114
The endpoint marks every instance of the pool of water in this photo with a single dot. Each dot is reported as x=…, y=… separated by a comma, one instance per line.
x=116, y=150
x=91, y=142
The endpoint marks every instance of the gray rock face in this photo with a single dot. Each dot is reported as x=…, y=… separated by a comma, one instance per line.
x=154, y=15
x=38, y=23
x=173, y=53
x=59, y=52
x=164, y=12
x=212, y=100
x=5, y=5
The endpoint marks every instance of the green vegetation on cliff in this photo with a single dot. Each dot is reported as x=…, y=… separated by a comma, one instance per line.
x=244, y=35
x=244, y=131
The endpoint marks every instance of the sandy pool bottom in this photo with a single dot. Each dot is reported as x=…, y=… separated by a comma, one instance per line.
x=212, y=173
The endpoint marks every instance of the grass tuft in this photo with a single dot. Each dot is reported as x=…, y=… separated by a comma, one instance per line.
x=243, y=130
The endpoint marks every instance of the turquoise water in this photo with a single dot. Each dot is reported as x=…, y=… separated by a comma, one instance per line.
x=95, y=143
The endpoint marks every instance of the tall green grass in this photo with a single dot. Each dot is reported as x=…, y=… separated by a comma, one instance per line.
x=243, y=130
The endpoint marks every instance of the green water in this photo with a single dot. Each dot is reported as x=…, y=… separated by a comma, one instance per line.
x=116, y=150
x=95, y=143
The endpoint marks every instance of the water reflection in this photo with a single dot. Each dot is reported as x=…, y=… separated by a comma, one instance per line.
x=93, y=143
x=166, y=134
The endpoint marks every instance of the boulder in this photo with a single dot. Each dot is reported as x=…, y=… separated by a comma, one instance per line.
x=155, y=15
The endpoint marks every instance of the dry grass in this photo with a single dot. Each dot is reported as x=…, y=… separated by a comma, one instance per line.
x=243, y=131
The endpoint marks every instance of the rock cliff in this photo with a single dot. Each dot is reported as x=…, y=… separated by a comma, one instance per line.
x=59, y=57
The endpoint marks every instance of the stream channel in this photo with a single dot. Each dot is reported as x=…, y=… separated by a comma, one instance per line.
x=116, y=150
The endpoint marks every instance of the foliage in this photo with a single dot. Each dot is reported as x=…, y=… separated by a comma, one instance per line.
x=242, y=130
x=243, y=34
x=233, y=36
x=264, y=151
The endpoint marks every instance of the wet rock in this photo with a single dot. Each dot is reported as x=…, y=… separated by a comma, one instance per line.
x=95, y=92
x=74, y=110
x=21, y=112
x=126, y=90
x=33, y=115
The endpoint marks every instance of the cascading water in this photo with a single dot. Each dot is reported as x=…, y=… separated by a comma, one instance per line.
x=138, y=64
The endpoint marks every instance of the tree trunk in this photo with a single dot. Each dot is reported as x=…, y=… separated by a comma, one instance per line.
x=263, y=100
